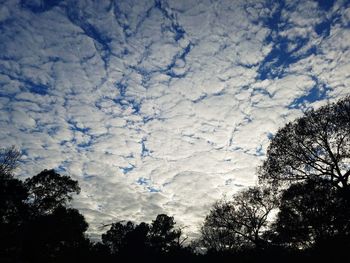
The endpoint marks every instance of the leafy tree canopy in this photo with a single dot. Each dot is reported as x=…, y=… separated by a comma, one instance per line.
x=55, y=237
x=49, y=190
x=115, y=237
x=240, y=223
x=159, y=237
x=315, y=146
x=163, y=234
x=310, y=214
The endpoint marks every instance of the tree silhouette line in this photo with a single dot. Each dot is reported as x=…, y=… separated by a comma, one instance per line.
x=299, y=211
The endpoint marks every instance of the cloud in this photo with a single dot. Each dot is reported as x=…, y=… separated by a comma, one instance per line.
x=164, y=106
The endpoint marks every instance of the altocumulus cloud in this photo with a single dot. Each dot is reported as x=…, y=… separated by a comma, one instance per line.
x=162, y=106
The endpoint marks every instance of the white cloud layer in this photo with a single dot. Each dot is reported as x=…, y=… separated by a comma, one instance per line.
x=162, y=106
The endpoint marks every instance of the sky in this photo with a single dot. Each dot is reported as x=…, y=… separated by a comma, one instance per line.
x=162, y=106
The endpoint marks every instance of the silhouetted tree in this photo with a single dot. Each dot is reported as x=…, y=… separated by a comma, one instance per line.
x=163, y=234
x=158, y=238
x=52, y=232
x=115, y=238
x=13, y=209
x=315, y=146
x=49, y=190
x=56, y=237
x=311, y=214
x=9, y=159
x=99, y=252
x=240, y=223
x=137, y=240
x=13, y=212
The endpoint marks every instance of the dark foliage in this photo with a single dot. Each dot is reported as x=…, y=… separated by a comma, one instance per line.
x=56, y=237
x=117, y=238
x=239, y=224
x=49, y=190
x=313, y=147
x=312, y=213
x=13, y=212
x=149, y=240
x=163, y=236
x=13, y=209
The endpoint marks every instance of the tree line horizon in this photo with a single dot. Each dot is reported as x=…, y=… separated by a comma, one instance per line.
x=298, y=211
